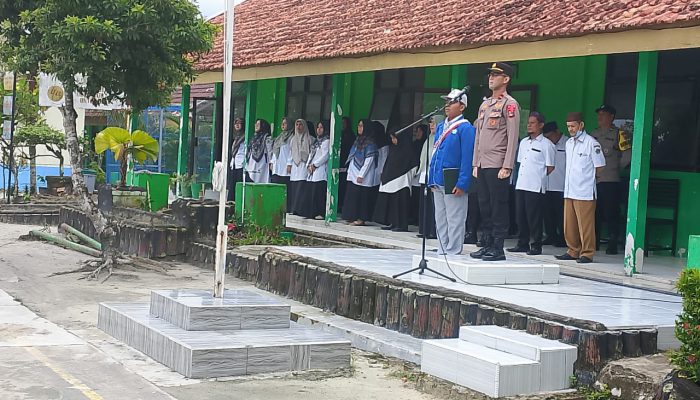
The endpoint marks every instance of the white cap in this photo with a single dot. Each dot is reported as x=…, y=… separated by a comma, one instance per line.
x=452, y=96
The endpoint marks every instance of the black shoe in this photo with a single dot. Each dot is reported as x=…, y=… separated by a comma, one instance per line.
x=397, y=229
x=420, y=235
x=479, y=253
x=470, y=238
x=494, y=255
x=387, y=228
x=611, y=251
x=534, y=251
x=584, y=260
x=519, y=249
x=565, y=257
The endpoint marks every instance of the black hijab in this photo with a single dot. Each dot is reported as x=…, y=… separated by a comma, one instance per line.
x=258, y=146
x=400, y=159
x=364, y=145
x=381, y=139
x=320, y=139
x=418, y=143
x=346, y=140
x=237, y=137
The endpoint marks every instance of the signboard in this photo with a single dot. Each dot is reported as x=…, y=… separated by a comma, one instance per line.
x=7, y=105
x=52, y=94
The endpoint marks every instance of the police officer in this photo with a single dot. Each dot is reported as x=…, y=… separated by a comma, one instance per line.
x=494, y=156
x=608, y=179
x=584, y=158
x=536, y=159
x=554, y=198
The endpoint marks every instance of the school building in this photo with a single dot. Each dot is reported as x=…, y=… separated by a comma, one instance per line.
x=391, y=60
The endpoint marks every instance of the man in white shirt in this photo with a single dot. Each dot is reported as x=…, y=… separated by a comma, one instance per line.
x=554, y=198
x=536, y=159
x=584, y=157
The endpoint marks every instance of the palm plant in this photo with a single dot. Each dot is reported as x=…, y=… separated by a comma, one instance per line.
x=137, y=144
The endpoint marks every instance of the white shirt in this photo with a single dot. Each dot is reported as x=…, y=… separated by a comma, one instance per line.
x=238, y=158
x=367, y=172
x=583, y=156
x=555, y=180
x=534, y=156
x=279, y=164
x=259, y=171
x=320, y=161
x=299, y=172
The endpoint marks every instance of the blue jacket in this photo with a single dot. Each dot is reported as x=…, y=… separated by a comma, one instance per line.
x=455, y=151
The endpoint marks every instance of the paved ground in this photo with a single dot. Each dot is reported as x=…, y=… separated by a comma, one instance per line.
x=51, y=348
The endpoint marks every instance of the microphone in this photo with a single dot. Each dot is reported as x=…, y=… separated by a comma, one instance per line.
x=464, y=91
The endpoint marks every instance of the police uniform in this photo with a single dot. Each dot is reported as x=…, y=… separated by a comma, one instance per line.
x=495, y=147
x=534, y=156
x=608, y=184
x=583, y=156
x=554, y=198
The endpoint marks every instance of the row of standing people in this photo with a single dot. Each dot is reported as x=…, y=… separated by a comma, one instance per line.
x=296, y=158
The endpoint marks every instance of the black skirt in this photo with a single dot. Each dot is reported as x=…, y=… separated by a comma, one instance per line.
x=283, y=180
x=296, y=191
x=314, y=204
x=393, y=208
x=234, y=176
x=359, y=202
x=426, y=222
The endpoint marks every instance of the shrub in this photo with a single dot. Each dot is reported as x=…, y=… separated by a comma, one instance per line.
x=687, y=358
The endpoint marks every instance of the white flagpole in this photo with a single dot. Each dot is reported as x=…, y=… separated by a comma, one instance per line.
x=222, y=229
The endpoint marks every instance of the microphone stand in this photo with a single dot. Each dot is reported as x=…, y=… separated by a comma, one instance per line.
x=423, y=265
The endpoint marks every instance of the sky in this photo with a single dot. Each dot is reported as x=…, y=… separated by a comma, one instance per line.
x=210, y=8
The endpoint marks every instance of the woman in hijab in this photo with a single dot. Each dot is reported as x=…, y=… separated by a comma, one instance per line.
x=314, y=205
x=381, y=139
x=237, y=156
x=362, y=162
x=394, y=200
x=346, y=141
x=259, y=149
x=426, y=222
x=300, y=146
x=420, y=134
x=280, y=156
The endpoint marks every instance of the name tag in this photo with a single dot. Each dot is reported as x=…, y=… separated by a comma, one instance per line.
x=537, y=150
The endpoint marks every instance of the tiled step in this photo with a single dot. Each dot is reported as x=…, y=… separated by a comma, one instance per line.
x=210, y=354
x=556, y=359
x=492, y=372
x=196, y=310
x=509, y=272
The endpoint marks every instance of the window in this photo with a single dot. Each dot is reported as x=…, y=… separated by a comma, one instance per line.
x=676, y=130
x=309, y=97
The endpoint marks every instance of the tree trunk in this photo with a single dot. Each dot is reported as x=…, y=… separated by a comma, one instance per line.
x=60, y=163
x=32, y=170
x=106, y=230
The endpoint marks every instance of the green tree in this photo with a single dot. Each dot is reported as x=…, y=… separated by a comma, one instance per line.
x=42, y=134
x=136, y=51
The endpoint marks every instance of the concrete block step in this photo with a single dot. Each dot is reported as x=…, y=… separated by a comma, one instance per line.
x=509, y=272
x=195, y=310
x=556, y=359
x=211, y=354
x=489, y=371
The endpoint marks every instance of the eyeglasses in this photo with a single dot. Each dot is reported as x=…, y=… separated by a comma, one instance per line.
x=496, y=74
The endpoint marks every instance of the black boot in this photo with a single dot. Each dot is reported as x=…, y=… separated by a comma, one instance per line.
x=495, y=253
x=487, y=241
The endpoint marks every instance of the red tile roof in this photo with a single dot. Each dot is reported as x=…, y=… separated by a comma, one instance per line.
x=280, y=31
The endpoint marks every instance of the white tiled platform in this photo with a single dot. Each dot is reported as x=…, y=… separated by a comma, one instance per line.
x=474, y=271
x=488, y=371
x=615, y=306
x=209, y=354
x=500, y=362
x=556, y=359
x=197, y=310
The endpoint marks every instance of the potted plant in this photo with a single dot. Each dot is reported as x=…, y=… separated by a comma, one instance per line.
x=137, y=145
x=687, y=358
x=185, y=182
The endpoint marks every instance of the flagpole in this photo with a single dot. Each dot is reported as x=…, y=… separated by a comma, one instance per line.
x=222, y=228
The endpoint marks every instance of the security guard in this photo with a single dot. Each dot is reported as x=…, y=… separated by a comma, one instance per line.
x=494, y=156
x=608, y=179
x=584, y=158
x=554, y=198
x=536, y=159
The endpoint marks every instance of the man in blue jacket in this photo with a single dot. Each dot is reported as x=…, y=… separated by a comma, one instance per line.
x=452, y=157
